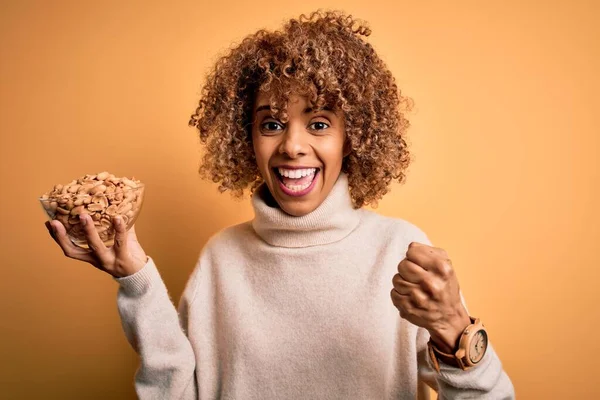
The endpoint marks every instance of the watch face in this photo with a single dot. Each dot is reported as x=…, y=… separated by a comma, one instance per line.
x=478, y=346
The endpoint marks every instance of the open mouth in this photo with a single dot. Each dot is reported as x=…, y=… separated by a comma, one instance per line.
x=298, y=181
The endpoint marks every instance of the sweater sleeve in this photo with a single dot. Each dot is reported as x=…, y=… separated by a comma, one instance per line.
x=157, y=333
x=487, y=380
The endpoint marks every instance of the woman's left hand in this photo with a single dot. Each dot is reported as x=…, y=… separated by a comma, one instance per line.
x=427, y=294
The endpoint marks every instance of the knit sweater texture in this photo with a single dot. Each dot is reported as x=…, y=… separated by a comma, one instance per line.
x=285, y=307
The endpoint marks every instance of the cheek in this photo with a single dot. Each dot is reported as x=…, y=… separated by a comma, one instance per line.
x=262, y=153
x=332, y=152
x=256, y=145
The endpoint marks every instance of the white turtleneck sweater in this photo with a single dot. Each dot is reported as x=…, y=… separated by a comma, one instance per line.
x=285, y=307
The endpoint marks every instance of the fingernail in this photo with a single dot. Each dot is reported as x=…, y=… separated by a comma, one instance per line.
x=82, y=219
x=117, y=221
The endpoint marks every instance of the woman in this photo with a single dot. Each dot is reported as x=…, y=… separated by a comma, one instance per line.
x=315, y=297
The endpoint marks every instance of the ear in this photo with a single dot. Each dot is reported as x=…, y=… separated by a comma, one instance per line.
x=347, y=149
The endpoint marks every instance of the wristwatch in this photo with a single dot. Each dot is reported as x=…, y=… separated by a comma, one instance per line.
x=471, y=348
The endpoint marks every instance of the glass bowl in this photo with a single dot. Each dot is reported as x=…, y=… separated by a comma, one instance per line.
x=102, y=206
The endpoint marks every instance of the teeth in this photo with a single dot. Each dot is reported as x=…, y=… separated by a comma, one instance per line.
x=298, y=188
x=297, y=173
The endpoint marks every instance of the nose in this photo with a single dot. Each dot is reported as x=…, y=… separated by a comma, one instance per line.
x=293, y=142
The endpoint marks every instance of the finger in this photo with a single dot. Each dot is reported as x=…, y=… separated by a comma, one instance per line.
x=419, y=300
x=92, y=237
x=434, y=287
x=406, y=307
x=400, y=301
x=120, y=237
x=413, y=292
x=402, y=286
x=411, y=272
x=420, y=254
x=59, y=234
x=429, y=258
x=50, y=230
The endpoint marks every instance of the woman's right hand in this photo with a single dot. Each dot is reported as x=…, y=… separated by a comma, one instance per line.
x=124, y=258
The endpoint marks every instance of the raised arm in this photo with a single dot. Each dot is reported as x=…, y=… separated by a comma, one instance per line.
x=427, y=294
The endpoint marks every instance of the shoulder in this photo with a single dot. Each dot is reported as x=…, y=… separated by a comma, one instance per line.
x=392, y=227
x=222, y=246
x=230, y=237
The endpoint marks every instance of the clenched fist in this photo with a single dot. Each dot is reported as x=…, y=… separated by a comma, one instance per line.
x=427, y=294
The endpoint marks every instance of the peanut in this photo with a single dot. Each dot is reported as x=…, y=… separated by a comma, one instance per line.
x=63, y=211
x=129, y=183
x=78, y=210
x=102, y=176
x=111, y=210
x=73, y=189
x=95, y=207
x=98, y=189
x=85, y=188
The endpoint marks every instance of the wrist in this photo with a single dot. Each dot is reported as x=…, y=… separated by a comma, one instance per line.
x=139, y=262
x=446, y=338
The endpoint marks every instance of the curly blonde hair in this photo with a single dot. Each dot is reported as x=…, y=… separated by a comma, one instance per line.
x=324, y=57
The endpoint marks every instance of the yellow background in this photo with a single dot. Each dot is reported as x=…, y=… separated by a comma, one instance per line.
x=505, y=136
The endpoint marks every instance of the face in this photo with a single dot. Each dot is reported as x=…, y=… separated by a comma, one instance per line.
x=299, y=160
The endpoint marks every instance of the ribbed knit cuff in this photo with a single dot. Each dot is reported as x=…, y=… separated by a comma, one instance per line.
x=141, y=281
x=472, y=377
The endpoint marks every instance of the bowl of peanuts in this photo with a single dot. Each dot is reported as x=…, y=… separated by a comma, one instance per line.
x=103, y=196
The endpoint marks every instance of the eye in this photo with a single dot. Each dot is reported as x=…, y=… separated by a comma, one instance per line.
x=271, y=126
x=319, y=126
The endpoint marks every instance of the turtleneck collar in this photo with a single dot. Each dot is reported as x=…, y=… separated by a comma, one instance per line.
x=332, y=221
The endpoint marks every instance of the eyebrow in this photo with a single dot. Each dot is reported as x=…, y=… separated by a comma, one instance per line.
x=306, y=110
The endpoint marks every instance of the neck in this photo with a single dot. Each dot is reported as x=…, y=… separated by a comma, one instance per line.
x=332, y=221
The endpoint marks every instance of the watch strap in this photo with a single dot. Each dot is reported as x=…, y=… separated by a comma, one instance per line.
x=454, y=360
x=436, y=354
